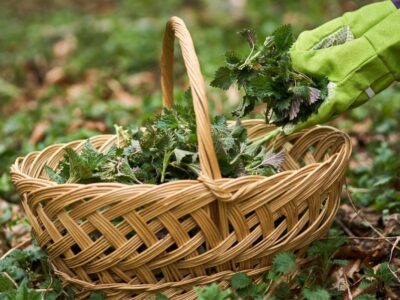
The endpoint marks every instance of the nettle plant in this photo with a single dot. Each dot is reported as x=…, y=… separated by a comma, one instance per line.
x=165, y=149
x=267, y=76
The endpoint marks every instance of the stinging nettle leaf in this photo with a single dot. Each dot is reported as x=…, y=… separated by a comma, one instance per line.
x=223, y=79
x=240, y=281
x=54, y=176
x=302, y=91
x=261, y=87
x=268, y=76
x=284, y=263
x=316, y=294
x=283, y=37
x=231, y=58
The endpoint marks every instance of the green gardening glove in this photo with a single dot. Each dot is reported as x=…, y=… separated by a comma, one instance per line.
x=359, y=53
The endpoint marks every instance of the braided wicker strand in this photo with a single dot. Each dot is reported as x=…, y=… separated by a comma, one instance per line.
x=132, y=241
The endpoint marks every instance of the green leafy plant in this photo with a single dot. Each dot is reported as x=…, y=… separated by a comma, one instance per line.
x=378, y=185
x=25, y=274
x=285, y=280
x=165, y=149
x=212, y=292
x=316, y=294
x=267, y=76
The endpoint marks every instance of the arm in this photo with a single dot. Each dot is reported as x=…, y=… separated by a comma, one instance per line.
x=358, y=69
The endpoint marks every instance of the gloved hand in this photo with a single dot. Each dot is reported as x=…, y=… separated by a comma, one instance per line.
x=359, y=53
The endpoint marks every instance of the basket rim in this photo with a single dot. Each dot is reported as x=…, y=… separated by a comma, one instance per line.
x=15, y=167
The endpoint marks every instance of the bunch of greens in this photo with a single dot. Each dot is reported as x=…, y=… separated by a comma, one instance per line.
x=166, y=149
x=266, y=75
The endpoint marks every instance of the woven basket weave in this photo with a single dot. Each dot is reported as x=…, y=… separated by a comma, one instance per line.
x=132, y=241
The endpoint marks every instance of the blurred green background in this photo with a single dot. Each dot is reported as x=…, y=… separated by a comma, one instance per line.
x=71, y=69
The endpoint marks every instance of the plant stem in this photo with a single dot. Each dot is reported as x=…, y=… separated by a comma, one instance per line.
x=250, y=58
x=167, y=156
x=269, y=136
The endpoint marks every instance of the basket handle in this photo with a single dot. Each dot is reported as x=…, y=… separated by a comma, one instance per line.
x=176, y=28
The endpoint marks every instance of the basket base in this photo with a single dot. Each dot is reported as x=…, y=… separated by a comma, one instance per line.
x=184, y=290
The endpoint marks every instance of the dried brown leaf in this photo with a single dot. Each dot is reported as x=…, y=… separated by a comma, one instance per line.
x=38, y=132
x=121, y=95
x=65, y=47
x=55, y=75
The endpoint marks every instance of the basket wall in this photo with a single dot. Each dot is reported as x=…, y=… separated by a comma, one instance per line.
x=134, y=241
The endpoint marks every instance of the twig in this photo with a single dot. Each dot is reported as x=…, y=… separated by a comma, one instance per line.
x=366, y=221
x=20, y=245
x=44, y=291
x=345, y=228
x=359, y=190
x=347, y=287
x=390, y=259
x=394, y=245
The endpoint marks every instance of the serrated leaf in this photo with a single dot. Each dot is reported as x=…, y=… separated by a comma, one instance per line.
x=53, y=176
x=302, y=91
x=369, y=272
x=91, y=156
x=316, y=294
x=35, y=253
x=283, y=104
x=273, y=276
x=384, y=274
x=261, y=87
x=231, y=58
x=211, y=292
x=240, y=281
x=223, y=78
x=78, y=169
x=365, y=283
x=283, y=37
x=284, y=263
x=19, y=255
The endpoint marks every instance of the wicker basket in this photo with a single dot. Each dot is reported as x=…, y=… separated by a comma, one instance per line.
x=132, y=241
